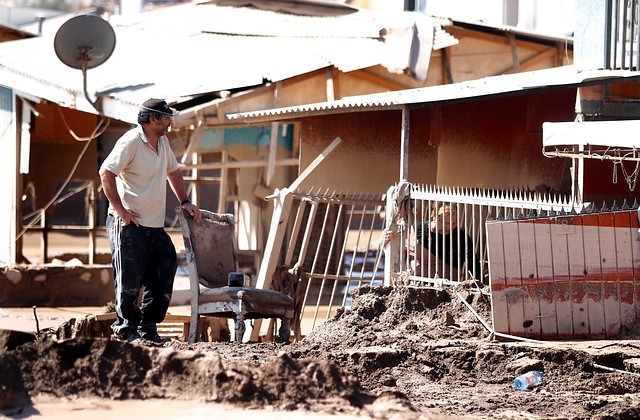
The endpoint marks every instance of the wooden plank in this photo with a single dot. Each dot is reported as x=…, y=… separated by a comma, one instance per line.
x=239, y=164
x=607, y=243
x=577, y=273
x=497, y=277
x=313, y=165
x=635, y=246
x=544, y=270
x=624, y=259
x=513, y=278
x=561, y=277
x=297, y=224
x=593, y=275
x=531, y=299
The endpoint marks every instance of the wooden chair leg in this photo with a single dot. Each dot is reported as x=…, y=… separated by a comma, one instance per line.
x=284, y=333
x=185, y=331
x=193, y=328
x=240, y=327
x=270, y=330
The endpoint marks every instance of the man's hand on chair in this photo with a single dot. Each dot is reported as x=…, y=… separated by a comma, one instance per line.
x=193, y=211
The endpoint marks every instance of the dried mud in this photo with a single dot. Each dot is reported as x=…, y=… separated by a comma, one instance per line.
x=400, y=353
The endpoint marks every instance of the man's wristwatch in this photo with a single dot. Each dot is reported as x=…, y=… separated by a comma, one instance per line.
x=187, y=201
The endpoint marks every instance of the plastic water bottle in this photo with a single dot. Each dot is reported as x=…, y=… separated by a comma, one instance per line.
x=528, y=380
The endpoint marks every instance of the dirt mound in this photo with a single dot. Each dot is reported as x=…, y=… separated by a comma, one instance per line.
x=118, y=370
x=397, y=353
x=387, y=315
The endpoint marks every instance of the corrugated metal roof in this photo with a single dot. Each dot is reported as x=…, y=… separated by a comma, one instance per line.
x=518, y=32
x=182, y=51
x=495, y=85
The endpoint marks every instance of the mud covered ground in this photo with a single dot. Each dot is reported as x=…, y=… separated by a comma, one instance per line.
x=400, y=353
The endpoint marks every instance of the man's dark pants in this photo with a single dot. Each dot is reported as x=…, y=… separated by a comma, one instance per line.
x=142, y=257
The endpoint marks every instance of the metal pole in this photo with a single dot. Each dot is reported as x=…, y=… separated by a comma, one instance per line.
x=404, y=144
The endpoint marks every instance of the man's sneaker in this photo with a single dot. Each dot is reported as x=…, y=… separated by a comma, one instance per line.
x=153, y=337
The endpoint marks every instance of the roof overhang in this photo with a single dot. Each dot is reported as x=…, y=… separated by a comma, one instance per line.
x=511, y=84
x=602, y=140
x=255, y=46
x=533, y=36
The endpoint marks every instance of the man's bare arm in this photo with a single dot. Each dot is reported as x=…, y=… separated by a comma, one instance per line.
x=110, y=189
x=177, y=185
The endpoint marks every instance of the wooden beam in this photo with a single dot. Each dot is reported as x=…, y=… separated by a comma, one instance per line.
x=377, y=79
x=331, y=94
x=222, y=190
x=241, y=164
x=295, y=184
x=514, y=52
x=527, y=63
x=194, y=140
x=273, y=139
x=447, y=76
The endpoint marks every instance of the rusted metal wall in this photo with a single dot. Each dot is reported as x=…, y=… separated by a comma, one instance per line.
x=493, y=143
x=565, y=276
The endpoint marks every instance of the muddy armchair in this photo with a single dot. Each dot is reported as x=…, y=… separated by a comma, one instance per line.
x=217, y=288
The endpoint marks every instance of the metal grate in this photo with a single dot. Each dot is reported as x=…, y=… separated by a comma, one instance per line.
x=622, y=35
x=333, y=248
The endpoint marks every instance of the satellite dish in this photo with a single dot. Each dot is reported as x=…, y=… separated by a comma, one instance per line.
x=84, y=42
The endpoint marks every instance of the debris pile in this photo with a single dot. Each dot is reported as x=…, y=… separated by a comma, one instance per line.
x=400, y=353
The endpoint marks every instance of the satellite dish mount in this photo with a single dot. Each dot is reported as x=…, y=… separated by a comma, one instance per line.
x=84, y=42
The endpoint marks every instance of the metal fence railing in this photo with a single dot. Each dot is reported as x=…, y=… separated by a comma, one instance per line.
x=622, y=35
x=337, y=243
x=334, y=248
x=438, y=233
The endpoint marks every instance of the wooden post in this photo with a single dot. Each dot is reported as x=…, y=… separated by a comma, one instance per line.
x=273, y=150
x=222, y=190
x=282, y=207
x=191, y=155
x=514, y=53
x=92, y=212
x=195, y=186
x=273, y=140
x=44, y=242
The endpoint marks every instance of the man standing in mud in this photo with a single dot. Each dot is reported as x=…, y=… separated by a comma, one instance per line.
x=134, y=177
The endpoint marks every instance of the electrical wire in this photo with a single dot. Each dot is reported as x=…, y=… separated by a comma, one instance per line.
x=97, y=131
